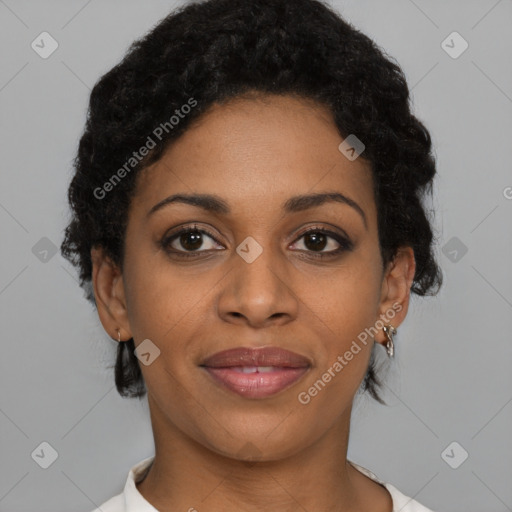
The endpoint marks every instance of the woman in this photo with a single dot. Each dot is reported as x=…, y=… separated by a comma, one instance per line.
x=247, y=219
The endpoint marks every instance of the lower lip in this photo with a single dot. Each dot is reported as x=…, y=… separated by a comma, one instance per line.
x=256, y=385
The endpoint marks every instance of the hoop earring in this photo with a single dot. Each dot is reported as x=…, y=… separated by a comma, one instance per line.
x=389, y=331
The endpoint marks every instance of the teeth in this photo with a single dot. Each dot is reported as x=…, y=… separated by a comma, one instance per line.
x=254, y=369
x=263, y=369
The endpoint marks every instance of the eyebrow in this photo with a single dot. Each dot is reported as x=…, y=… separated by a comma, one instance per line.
x=215, y=204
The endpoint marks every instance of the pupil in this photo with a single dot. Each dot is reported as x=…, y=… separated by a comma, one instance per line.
x=318, y=241
x=195, y=236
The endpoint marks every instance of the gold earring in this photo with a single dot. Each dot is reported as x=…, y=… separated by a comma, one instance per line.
x=389, y=331
x=118, y=335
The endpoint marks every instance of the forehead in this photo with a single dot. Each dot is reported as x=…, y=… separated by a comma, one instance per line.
x=257, y=152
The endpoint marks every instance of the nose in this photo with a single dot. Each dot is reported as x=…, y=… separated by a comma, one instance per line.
x=258, y=293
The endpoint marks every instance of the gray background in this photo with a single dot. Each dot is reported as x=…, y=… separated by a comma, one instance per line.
x=451, y=379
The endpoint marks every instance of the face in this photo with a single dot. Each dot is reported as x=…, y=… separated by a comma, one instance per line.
x=260, y=269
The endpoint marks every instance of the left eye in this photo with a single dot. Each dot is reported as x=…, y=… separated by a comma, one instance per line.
x=316, y=240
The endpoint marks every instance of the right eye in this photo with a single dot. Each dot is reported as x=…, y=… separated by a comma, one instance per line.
x=191, y=239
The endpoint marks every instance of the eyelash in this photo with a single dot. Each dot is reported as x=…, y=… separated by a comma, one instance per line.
x=345, y=243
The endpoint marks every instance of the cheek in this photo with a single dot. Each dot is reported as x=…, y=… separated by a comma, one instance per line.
x=346, y=343
x=343, y=314
x=160, y=298
x=346, y=301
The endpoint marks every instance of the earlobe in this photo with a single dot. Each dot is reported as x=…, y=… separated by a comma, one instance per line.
x=107, y=282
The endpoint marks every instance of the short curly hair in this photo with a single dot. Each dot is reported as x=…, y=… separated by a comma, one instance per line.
x=215, y=50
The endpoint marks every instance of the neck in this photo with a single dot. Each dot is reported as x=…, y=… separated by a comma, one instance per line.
x=185, y=475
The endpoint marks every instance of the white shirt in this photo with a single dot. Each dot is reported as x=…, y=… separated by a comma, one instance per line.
x=131, y=500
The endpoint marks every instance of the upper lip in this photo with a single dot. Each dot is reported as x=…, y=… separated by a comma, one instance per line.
x=262, y=356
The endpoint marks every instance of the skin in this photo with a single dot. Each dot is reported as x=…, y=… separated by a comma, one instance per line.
x=272, y=454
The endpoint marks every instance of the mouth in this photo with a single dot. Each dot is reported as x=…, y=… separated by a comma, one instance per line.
x=256, y=373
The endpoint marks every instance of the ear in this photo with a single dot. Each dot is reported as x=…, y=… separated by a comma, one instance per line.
x=107, y=281
x=396, y=289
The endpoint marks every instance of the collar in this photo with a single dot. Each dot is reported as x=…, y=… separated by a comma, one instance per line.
x=134, y=501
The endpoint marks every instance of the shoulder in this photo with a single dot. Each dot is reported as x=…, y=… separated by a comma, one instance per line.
x=115, y=504
x=130, y=500
x=401, y=502
x=404, y=503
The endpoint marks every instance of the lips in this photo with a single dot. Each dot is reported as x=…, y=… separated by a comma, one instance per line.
x=256, y=373
x=264, y=356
